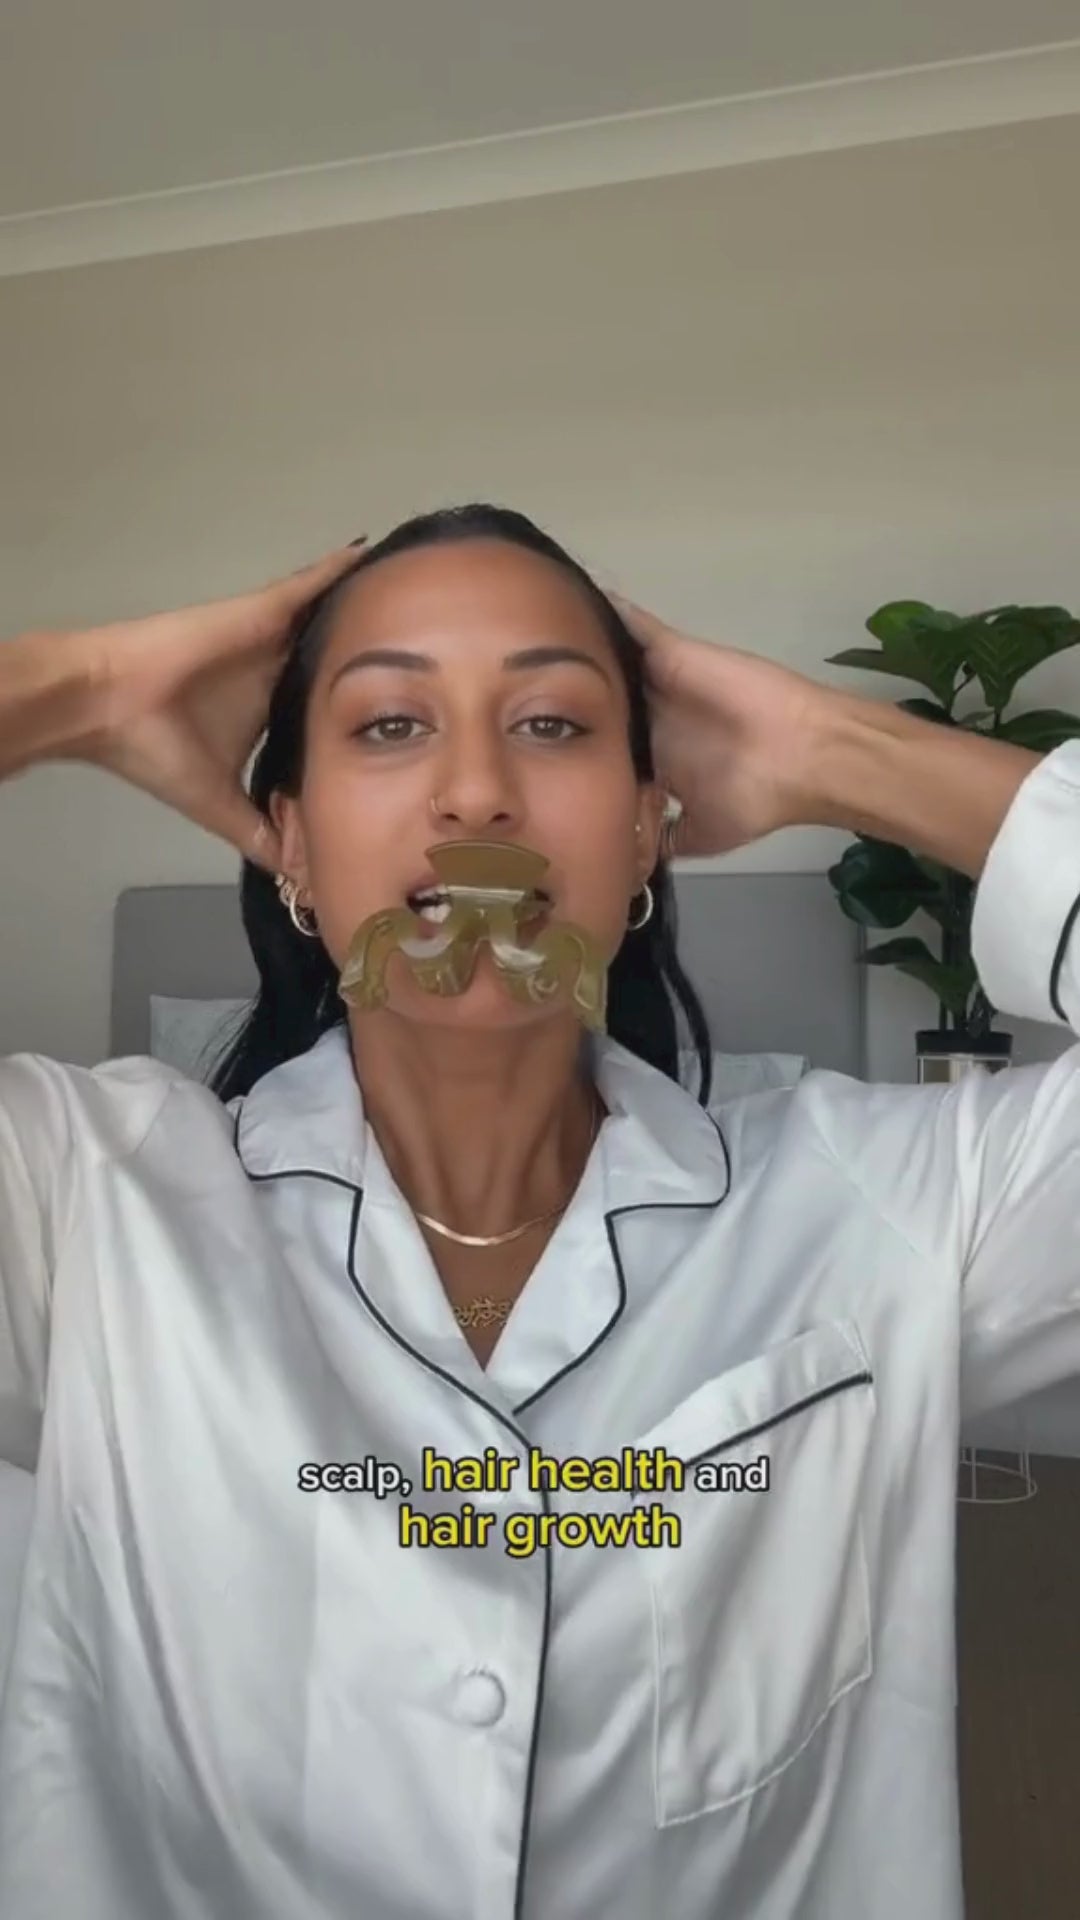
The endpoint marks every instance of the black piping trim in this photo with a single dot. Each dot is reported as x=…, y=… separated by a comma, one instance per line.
x=337, y=1180
x=523, y=1442
x=643, y=1206
x=749, y=1433
x=1055, y=970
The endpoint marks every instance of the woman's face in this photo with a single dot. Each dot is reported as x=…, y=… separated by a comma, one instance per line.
x=467, y=692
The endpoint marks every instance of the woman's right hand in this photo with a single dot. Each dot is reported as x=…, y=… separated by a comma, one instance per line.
x=179, y=699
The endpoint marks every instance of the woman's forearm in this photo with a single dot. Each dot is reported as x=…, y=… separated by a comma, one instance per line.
x=942, y=791
x=46, y=698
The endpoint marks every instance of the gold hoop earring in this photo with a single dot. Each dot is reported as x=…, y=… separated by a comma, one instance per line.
x=635, y=926
x=287, y=892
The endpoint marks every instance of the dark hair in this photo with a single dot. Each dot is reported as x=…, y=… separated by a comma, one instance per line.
x=297, y=998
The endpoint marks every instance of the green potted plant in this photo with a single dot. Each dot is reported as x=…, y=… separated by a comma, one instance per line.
x=879, y=884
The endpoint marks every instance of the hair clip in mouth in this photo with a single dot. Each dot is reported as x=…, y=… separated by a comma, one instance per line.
x=494, y=892
x=496, y=869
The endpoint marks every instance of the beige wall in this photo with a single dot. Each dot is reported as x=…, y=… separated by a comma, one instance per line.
x=764, y=399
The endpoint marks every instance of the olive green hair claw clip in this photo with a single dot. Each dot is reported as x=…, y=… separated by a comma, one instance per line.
x=494, y=893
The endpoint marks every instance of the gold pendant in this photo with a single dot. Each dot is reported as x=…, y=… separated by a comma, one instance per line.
x=483, y=1312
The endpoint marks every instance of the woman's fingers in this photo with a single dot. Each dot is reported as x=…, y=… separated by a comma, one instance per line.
x=184, y=698
x=298, y=588
x=170, y=759
x=661, y=644
x=267, y=615
x=261, y=618
x=215, y=800
x=646, y=627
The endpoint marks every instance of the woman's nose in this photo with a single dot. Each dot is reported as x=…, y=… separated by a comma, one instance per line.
x=477, y=794
x=475, y=812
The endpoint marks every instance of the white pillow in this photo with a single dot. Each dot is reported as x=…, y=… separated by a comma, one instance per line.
x=188, y=1034
x=734, y=1074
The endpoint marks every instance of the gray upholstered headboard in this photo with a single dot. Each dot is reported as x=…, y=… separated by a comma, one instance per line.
x=771, y=955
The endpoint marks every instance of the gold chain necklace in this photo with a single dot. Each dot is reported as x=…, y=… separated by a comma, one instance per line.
x=485, y=1311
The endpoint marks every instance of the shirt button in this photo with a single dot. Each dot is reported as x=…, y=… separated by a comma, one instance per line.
x=480, y=1699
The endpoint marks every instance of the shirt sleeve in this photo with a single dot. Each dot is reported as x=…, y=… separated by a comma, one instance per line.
x=983, y=1175
x=1019, y=1131
x=36, y=1152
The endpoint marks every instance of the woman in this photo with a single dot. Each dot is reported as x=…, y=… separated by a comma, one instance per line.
x=241, y=1683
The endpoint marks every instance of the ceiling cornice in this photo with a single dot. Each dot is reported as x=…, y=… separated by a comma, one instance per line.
x=1034, y=83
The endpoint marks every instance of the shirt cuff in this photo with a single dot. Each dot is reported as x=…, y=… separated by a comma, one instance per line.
x=1025, y=923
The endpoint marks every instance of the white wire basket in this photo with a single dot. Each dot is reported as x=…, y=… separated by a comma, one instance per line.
x=990, y=1479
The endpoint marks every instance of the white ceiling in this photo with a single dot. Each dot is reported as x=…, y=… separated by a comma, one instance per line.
x=107, y=100
x=102, y=98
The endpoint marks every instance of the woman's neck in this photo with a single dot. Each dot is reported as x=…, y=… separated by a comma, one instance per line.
x=480, y=1130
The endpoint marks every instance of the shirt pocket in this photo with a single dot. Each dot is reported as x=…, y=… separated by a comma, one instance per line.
x=761, y=1612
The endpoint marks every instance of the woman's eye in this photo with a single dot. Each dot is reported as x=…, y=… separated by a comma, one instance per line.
x=393, y=720
x=551, y=720
x=389, y=729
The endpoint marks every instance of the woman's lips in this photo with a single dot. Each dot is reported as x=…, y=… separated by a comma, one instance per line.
x=527, y=927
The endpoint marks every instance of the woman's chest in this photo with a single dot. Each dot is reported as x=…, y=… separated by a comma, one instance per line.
x=238, y=1593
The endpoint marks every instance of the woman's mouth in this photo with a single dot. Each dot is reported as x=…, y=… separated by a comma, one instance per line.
x=432, y=906
x=536, y=917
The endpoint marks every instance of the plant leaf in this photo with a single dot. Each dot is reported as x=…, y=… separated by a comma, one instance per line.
x=952, y=985
x=881, y=885
x=907, y=662
x=888, y=952
x=929, y=710
x=894, y=620
x=1001, y=646
x=1041, y=730
x=923, y=638
x=1057, y=625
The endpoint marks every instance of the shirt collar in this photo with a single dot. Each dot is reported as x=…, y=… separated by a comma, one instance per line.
x=660, y=1147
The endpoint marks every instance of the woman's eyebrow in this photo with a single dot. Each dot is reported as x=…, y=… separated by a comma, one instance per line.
x=423, y=662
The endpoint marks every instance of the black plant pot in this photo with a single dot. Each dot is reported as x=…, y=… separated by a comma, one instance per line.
x=948, y=1056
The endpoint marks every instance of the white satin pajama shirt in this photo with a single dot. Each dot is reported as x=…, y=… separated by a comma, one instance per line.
x=230, y=1698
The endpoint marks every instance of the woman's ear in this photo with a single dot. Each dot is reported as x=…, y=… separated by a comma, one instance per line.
x=285, y=814
x=650, y=827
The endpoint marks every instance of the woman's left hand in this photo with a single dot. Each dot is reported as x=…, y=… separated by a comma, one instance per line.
x=734, y=736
